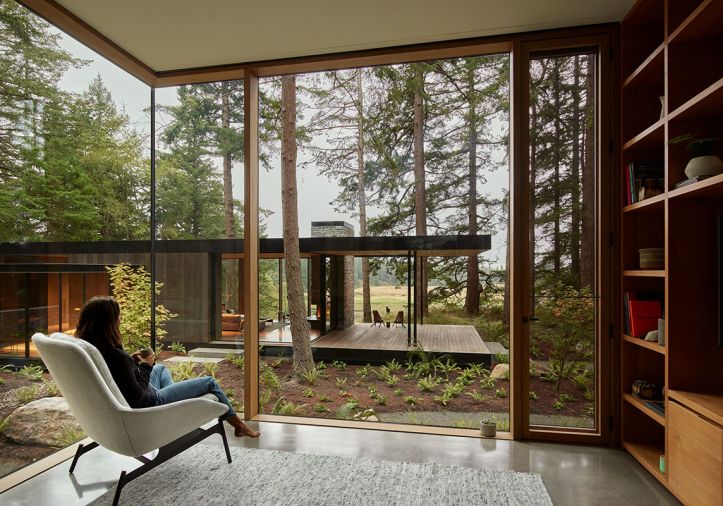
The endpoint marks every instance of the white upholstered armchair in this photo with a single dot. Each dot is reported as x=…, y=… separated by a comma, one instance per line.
x=101, y=410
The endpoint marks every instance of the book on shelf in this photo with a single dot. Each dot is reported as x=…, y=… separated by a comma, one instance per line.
x=690, y=181
x=657, y=406
x=643, y=180
x=630, y=296
x=644, y=316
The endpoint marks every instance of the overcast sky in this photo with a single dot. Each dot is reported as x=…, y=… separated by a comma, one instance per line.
x=315, y=192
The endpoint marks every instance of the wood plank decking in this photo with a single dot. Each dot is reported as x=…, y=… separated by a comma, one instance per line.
x=432, y=338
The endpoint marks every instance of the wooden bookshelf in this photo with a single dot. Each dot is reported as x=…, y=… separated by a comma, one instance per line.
x=673, y=48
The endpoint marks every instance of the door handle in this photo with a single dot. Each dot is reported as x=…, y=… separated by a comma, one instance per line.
x=528, y=319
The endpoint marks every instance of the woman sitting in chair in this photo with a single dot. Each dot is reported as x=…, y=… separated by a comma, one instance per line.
x=143, y=384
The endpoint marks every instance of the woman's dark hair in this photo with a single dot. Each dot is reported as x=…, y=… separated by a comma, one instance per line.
x=98, y=323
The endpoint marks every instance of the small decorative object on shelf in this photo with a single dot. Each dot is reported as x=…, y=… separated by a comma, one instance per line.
x=690, y=181
x=652, y=336
x=661, y=331
x=704, y=160
x=643, y=389
x=652, y=258
x=661, y=464
x=488, y=428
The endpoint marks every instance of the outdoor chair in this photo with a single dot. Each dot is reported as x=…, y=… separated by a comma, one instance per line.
x=377, y=318
x=399, y=319
x=101, y=410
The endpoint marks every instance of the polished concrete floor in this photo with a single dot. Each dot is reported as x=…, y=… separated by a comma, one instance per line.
x=575, y=475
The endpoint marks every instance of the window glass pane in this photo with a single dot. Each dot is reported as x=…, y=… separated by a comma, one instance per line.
x=564, y=291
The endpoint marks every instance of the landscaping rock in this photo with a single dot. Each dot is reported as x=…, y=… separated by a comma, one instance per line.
x=501, y=371
x=46, y=422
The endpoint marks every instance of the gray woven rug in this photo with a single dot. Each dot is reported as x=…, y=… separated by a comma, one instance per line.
x=201, y=476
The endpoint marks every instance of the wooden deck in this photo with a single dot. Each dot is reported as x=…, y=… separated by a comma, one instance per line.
x=433, y=338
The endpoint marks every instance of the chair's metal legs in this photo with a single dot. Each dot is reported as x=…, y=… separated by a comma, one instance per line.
x=119, y=487
x=225, y=441
x=169, y=451
x=80, y=451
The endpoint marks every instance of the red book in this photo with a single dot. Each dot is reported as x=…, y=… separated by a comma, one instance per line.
x=644, y=316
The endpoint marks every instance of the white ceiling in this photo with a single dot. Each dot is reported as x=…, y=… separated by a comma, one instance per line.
x=181, y=34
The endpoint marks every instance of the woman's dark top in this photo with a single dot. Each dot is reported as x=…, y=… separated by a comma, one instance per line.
x=131, y=378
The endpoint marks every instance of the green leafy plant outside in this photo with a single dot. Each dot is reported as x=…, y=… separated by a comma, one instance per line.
x=131, y=287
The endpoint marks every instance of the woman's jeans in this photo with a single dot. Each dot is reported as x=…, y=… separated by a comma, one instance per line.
x=167, y=391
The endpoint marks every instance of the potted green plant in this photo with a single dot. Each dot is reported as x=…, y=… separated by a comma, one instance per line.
x=488, y=427
x=704, y=160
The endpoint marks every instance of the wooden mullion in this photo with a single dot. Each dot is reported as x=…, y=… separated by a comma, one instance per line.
x=251, y=245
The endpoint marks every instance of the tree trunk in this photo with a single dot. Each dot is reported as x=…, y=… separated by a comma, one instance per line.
x=575, y=177
x=420, y=191
x=557, y=212
x=361, y=182
x=471, y=303
x=587, y=254
x=301, y=342
x=230, y=274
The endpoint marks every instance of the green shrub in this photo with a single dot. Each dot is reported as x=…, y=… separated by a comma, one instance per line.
x=532, y=395
x=284, y=408
x=31, y=372
x=27, y=394
x=51, y=388
x=398, y=392
x=320, y=408
x=310, y=376
x=340, y=382
x=373, y=393
x=269, y=379
x=210, y=369
x=182, y=371
x=308, y=392
x=381, y=400
x=477, y=396
x=393, y=366
x=501, y=393
x=325, y=398
x=411, y=400
x=363, y=372
x=70, y=435
x=339, y=365
x=392, y=380
x=178, y=347
x=427, y=384
x=131, y=287
x=236, y=359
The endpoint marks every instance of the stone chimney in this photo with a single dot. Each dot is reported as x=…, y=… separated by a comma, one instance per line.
x=341, y=275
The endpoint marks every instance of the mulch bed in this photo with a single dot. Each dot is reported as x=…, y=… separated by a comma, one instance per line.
x=14, y=456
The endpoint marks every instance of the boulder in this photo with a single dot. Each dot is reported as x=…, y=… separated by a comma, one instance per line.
x=501, y=371
x=45, y=422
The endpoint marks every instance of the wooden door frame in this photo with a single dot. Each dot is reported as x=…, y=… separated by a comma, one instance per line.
x=606, y=118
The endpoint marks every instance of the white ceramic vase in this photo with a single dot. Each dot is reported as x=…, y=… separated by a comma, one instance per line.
x=706, y=165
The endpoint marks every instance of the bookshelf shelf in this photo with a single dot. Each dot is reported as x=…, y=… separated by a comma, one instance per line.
x=648, y=345
x=640, y=273
x=648, y=455
x=711, y=187
x=652, y=136
x=702, y=23
x=650, y=72
x=652, y=204
x=706, y=104
x=640, y=405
